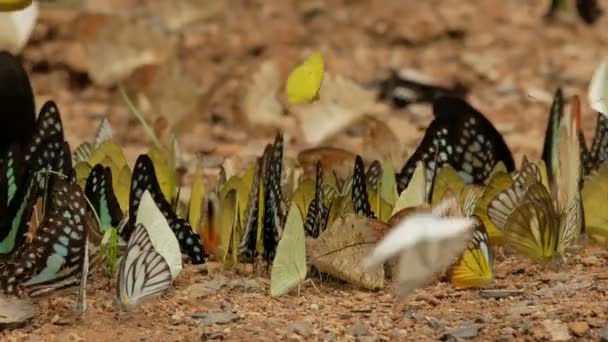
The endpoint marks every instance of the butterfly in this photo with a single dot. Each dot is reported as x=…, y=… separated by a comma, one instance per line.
x=18, y=108
x=462, y=137
x=54, y=259
x=252, y=228
x=289, y=265
x=425, y=243
x=143, y=273
x=373, y=174
x=359, y=195
x=144, y=178
x=304, y=82
x=474, y=268
x=84, y=151
x=525, y=212
x=403, y=92
x=100, y=193
x=593, y=195
x=273, y=212
x=318, y=213
x=598, y=152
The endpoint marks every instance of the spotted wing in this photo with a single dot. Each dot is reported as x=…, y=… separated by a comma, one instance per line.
x=461, y=136
x=360, y=199
x=273, y=212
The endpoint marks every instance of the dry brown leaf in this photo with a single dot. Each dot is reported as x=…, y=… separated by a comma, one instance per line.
x=341, y=103
x=260, y=105
x=340, y=249
x=330, y=158
x=123, y=45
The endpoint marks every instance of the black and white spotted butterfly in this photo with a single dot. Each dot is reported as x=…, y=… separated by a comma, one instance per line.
x=598, y=153
x=403, y=92
x=373, y=174
x=460, y=136
x=273, y=211
x=57, y=255
x=318, y=213
x=360, y=199
x=144, y=178
x=247, y=246
x=100, y=193
x=143, y=272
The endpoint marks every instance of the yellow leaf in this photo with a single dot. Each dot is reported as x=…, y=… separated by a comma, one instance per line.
x=304, y=82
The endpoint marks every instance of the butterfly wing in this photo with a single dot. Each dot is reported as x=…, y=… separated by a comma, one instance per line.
x=273, y=213
x=317, y=214
x=289, y=265
x=595, y=196
x=100, y=193
x=359, y=194
x=474, y=269
x=532, y=227
x=143, y=272
x=144, y=178
x=462, y=137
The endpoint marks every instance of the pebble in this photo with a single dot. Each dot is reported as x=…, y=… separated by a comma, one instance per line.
x=216, y=317
x=462, y=332
x=428, y=299
x=557, y=330
x=359, y=329
x=500, y=293
x=578, y=328
x=590, y=261
x=604, y=334
x=329, y=337
x=302, y=328
x=314, y=306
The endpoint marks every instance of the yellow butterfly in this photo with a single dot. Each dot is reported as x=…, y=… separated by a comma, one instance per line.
x=474, y=269
x=532, y=222
x=595, y=194
x=304, y=82
x=197, y=200
x=13, y=5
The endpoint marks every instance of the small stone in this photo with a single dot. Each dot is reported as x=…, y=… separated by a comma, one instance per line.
x=500, y=293
x=604, y=334
x=508, y=331
x=359, y=329
x=314, y=306
x=591, y=260
x=247, y=285
x=557, y=330
x=428, y=299
x=216, y=317
x=329, y=337
x=578, y=328
x=215, y=284
x=440, y=294
x=462, y=332
x=176, y=319
x=212, y=336
x=302, y=328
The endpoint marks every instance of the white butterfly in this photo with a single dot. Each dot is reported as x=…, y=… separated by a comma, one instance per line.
x=163, y=238
x=426, y=243
x=152, y=259
x=598, y=94
x=143, y=273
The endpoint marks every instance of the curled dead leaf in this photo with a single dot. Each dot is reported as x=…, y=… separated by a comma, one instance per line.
x=340, y=249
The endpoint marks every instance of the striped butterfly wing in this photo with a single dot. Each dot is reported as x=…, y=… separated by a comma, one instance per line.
x=273, y=211
x=475, y=268
x=599, y=146
x=318, y=213
x=550, y=146
x=143, y=273
x=247, y=246
x=144, y=178
x=461, y=136
x=360, y=199
x=54, y=259
x=532, y=227
x=373, y=174
x=100, y=193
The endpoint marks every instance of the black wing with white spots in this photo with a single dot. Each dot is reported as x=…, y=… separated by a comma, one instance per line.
x=373, y=174
x=273, y=211
x=317, y=215
x=462, y=137
x=361, y=205
x=247, y=247
x=100, y=193
x=54, y=259
x=144, y=178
